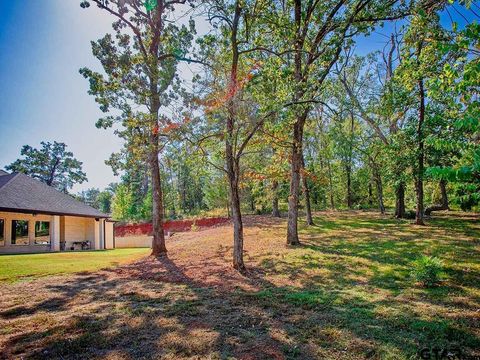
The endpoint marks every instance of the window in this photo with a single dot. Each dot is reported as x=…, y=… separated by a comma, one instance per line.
x=20, y=232
x=2, y=232
x=42, y=233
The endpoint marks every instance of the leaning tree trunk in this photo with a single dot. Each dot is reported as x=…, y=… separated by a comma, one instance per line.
x=444, y=201
x=296, y=165
x=275, y=210
x=306, y=192
x=420, y=165
x=400, y=200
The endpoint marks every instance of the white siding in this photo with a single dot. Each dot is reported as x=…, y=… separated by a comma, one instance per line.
x=109, y=234
x=133, y=242
x=79, y=229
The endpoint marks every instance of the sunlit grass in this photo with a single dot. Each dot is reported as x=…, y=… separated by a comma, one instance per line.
x=346, y=293
x=29, y=266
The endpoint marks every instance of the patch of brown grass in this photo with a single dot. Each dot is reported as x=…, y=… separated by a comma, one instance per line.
x=344, y=293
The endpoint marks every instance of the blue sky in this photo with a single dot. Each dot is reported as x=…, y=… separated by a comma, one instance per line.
x=42, y=95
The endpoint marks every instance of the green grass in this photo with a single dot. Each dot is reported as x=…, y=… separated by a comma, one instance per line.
x=30, y=266
x=346, y=293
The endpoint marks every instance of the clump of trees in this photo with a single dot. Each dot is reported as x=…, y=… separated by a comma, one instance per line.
x=283, y=115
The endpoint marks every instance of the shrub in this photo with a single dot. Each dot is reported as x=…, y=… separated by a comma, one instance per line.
x=194, y=226
x=428, y=270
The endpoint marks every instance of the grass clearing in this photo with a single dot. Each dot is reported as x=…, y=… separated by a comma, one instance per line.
x=31, y=266
x=346, y=293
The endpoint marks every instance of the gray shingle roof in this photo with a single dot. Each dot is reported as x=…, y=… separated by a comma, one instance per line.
x=18, y=192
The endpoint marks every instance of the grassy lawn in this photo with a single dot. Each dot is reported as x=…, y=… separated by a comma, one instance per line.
x=30, y=266
x=345, y=293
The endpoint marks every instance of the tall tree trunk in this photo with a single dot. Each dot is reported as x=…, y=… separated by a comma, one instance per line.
x=232, y=162
x=378, y=184
x=400, y=200
x=296, y=156
x=443, y=191
x=158, y=242
x=306, y=192
x=275, y=210
x=444, y=200
x=420, y=165
x=370, y=194
x=296, y=165
x=348, y=171
x=330, y=185
x=232, y=170
x=348, y=167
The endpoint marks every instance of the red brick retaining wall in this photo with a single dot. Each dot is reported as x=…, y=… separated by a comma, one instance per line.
x=173, y=225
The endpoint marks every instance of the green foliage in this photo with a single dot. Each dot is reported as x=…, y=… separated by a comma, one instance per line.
x=428, y=270
x=52, y=164
x=122, y=204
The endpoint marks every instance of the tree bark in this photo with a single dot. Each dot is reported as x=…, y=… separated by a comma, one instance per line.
x=444, y=201
x=348, y=171
x=275, y=210
x=296, y=165
x=400, y=200
x=348, y=167
x=443, y=191
x=158, y=242
x=232, y=162
x=53, y=170
x=306, y=192
x=420, y=165
x=370, y=194
x=330, y=182
x=232, y=171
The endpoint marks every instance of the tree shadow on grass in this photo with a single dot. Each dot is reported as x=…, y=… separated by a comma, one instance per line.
x=148, y=309
x=164, y=308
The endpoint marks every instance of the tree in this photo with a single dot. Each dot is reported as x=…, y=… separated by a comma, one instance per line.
x=122, y=202
x=457, y=87
x=139, y=81
x=90, y=197
x=422, y=61
x=311, y=35
x=235, y=113
x=101, y=200
x=52, y=164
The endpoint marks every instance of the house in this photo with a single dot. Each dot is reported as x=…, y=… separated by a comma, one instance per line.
x=35, y=217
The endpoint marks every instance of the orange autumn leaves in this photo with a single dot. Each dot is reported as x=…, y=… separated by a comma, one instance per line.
x=220, y=98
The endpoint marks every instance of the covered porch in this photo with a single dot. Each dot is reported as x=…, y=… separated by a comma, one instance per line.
x=33, y=233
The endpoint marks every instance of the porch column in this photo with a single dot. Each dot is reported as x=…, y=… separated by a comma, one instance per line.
x=96, y=242
x=102, y=234
x=55, y=233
